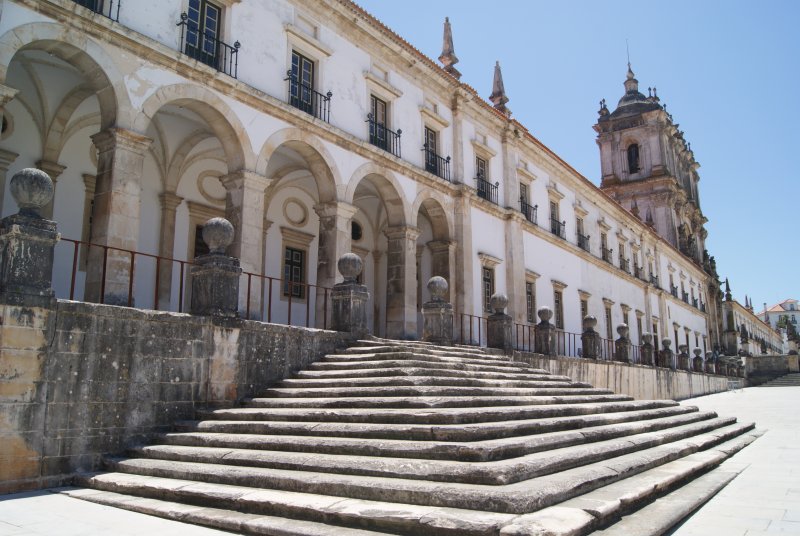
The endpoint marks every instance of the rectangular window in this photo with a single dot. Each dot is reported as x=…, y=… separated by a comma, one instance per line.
x=655, y=336
x=558, y=300
x=530, y=301
x=481, y=168
x=302, y=86
x=488, y=288
x=639, y=328
x=378, y=125
x=677, y=342
x=202, y=32
x=554, y=211
x=579, y=225
x=609, y=327
x=294, y=273
x=584, y=309
x=431, y=151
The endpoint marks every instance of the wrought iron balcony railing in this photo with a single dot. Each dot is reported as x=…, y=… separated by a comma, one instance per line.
x=638, y=273
x=654, y=280
x=685, y=296
x=382, y=137
x=530, y=211
x=486, y=190
x=107, y=8
x=583, y=241
x=436, y=164
x=304, y=97
x=558, y=228
x=673, y=290
x=606, y=254
x=206, y=48
x=695, y=303
x=625, y=265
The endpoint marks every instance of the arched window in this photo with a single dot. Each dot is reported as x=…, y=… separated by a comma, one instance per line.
x=633, y=158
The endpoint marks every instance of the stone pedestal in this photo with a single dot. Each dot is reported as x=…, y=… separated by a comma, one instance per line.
x=648, y=357
x=697, y=362
x=498, y=330
x=350, y=299
x=710, y=366
x=683, y=358
x=215, y=276
x=665, y=354
x=437, y=314
x=590, y=339
x=622, y=346
x=27, y=242
x=545, y=333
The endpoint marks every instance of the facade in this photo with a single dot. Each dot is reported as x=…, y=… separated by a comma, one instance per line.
x=316, y=131
x=745, y=333
x=787, y=308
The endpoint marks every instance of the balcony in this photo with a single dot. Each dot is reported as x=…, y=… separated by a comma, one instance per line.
x=207, y=49
x=583, y=242
x=685, y=296
x=382, y=137
x=305, y=98
x=673, y=290
x=530, y=211
x=107, y=8
x=654, y=280
x=625, y=265
x=638, y=273
x=695, y=303
x=436, y=164
x=558, y=228
x=606, y=254
x=486, y=190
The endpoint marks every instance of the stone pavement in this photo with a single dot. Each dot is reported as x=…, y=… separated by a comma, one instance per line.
x=763, y=500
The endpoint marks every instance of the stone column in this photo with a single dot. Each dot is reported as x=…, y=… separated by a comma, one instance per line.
x=463, y=299
x=544, y=333
x=515, y=262
x=350, y=299
x=54, y=170
x=683, y=357
x=401, y=282
x=499, y=324
x=115, y=220
x=166, y=247
x=215, y=276
x=6, y=159
x=590, y=339
x=244, y=208
x=665, y=354
x=27, y=243
x=647, y=349
x=437, y=314
x=622, y=346
x=334, y=241
x=443, y=257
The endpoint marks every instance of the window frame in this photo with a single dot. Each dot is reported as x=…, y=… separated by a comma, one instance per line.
x=197, y=31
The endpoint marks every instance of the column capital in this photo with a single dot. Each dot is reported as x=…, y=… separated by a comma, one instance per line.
x=6, y=94
x=170, y=200
x=54, y=169
x=336, y=208
x=89, y=182
x=441, y=246
x=402, y=232
x=245, y=179
x=112, y=138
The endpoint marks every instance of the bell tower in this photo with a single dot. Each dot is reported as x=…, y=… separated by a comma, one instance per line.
x=649, y=168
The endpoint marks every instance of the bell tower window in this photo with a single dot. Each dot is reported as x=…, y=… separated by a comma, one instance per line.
x=633, y=158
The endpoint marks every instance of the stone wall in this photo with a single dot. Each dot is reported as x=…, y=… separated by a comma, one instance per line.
x=761, y=369
x=638, y=381
x=80, y=380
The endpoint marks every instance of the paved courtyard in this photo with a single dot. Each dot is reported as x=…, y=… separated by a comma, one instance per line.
x=763, y=500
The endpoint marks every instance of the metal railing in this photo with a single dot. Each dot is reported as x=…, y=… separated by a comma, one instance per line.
x=606, y=254
x=436, y=164
x=470, y=330
x=163, y=284
x=206, y=48
x=306, y=98
x=583, y=241
x=654, y=280
x=685, y=296
x=382, y=137
x=638, y=273
x=558, y=228
x=673, y=290
x=530, y=211
x=486, y=190
x=624, y=265
x=107, y=8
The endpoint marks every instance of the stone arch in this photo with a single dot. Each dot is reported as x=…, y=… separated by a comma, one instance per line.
x=54, y=138
x=398, y=211
x=77, y=49
x=320, y=162
x=440, y=218
x=220, y=118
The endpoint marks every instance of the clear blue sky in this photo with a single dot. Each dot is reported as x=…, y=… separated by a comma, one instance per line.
x=727, y=70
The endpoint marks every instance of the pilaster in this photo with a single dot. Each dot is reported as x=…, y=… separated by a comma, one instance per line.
x=401, y=281
x=166, y=247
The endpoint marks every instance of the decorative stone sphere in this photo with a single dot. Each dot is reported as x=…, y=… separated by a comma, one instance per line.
x=437, y=286
x=32, y=189
x=709, y=356
x=545, y=314
x=647, y=338
x=589, y=322
x=697, y=352
x=350, y=265
x=666, y=342
x=218, y=234
x=623, y=330
x=499, y=303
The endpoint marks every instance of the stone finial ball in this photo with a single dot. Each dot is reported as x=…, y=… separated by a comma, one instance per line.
x=499, y=303
x=350, y=265
x=709, y=356
x=218, y=234
x=647, y=338
x=545, y=314
x=32, y=189
x=437, y=286
x=589, y=322
x=623, y=330
x=697, y=352
x=666, y=342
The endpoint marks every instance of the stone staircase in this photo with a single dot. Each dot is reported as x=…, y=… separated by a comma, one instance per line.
x=409, y=438
x=787, y=380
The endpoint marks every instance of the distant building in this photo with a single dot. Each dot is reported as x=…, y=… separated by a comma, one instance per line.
x=787, y=308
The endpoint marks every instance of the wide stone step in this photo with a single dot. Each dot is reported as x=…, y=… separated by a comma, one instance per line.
x=429, y=371
x=423, y=356
x=421, y=380
x=425, y=432
x=542, y=388
x=519, y=497
x=391, y=346
x=433, y=363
